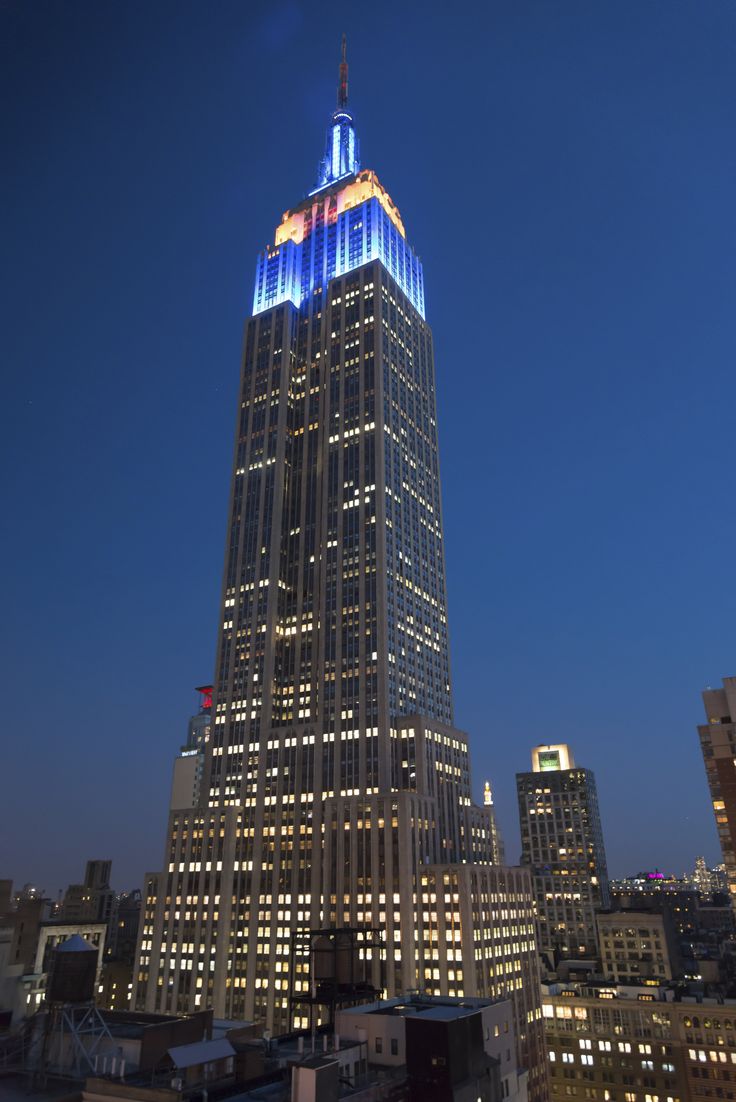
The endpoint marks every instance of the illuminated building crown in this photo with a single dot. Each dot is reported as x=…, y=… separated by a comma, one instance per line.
x=348, y=220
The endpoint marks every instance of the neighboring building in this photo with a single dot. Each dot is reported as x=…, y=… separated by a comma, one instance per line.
x=54, y=934
x=122, y=935
x=562, y=844
x=704, y=879
x=116, y=981
x=95, y=901
x=92, y=901
x=31, y=928
x=715, y=918
x=718, y=743
x=115, y=985
x=707, y=1033
x=614, y=1045
x=336, y=791
x=673, y=897
x=21, y=917
x=188, y=767
x=720, y=878
x=478, y=941
x=487, y=820
x=639, y=1044
x=703, y=926
x=130, y=1057
x=27, y=893
x=653, y=882
x=23, y=983
x=639, y=947
x=395, y=1030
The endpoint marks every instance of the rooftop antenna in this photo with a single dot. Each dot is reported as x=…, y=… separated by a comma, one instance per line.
x=342, y=84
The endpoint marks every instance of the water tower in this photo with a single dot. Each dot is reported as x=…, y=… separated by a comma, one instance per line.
x=74, y=1034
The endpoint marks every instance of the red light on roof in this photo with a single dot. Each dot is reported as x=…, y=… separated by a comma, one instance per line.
x=206, y=694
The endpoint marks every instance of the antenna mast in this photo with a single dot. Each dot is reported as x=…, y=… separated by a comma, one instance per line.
x=342, y=84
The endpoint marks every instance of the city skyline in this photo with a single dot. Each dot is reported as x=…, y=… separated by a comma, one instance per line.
x=486, y=671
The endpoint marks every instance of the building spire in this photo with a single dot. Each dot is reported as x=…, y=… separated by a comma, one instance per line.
x=342, y=155
x=342, y=82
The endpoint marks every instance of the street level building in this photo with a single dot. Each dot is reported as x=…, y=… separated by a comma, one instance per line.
x=718, y=743
x=562, y=844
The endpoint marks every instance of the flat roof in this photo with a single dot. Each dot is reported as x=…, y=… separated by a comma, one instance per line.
x=445, y=1013
x=407, y=1007
x=316, y=1062
x=200, y=1052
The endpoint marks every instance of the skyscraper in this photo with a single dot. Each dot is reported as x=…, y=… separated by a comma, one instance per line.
x=562, y=843
x=718, y=743
x=333, y=778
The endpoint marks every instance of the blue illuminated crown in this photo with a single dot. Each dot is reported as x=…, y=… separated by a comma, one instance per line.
x=348, y=220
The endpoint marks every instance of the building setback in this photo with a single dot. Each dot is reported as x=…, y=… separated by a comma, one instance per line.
x=562, y=844
x=189, y=766
x=333, y=779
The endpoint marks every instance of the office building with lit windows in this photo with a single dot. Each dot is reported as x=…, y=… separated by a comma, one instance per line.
x=562, y=844
x=639, y=947
x=613, y=1044
x=333, y=778
x=623, y=1043
x=718, y=743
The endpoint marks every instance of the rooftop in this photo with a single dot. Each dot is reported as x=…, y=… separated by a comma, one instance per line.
x=438, y=1007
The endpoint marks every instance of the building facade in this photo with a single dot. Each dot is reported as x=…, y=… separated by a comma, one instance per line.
x=562, y=844
x=92, y=901
x=478, y=935
x=383, y=1026
x=671, y=896
x=718, y=743
x=639, y=947
x=613, y=1043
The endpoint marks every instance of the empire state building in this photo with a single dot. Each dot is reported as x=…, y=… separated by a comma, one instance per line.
x=335, y=791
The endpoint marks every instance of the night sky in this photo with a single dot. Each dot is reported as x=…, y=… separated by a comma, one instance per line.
x=566, y=171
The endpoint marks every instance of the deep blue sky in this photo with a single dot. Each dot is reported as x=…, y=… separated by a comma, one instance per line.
x=567, y=172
